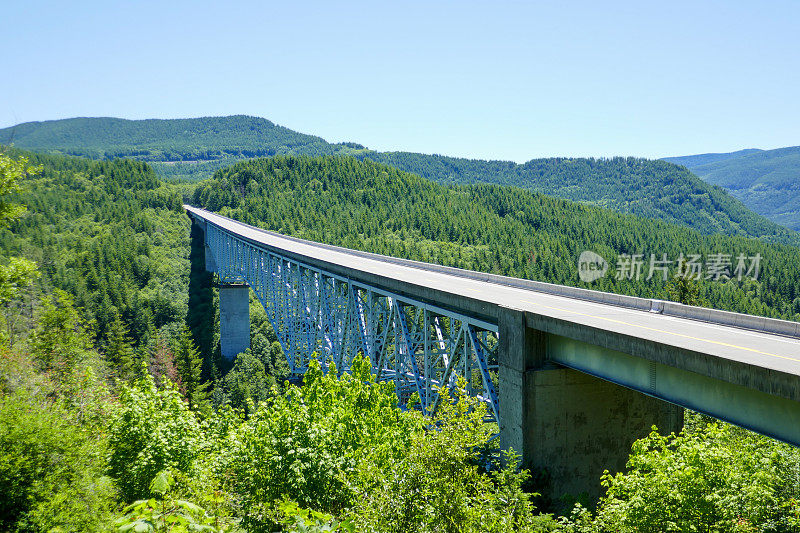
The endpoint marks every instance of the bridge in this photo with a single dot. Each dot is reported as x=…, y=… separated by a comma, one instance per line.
x=570, y=376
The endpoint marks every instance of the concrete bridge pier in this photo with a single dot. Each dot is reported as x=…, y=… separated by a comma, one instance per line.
x=568, y=425
x=234, y=319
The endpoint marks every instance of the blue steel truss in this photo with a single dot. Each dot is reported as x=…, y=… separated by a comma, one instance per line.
x=318, y=314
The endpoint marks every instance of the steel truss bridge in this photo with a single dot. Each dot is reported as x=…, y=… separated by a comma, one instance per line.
x=320, y=315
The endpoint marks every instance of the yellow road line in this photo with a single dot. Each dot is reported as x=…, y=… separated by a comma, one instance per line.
x=664, y=331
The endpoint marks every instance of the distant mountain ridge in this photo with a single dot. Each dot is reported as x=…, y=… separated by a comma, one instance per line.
x=767, y=181
x=189, y=139
x=690, y=161
x=195, y=148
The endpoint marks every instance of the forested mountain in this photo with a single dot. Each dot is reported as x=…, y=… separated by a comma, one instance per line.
x=650, y=189
x=109, y=233
x=191, y=139
x=766, y=181
x=506, y=230
x=195, y=148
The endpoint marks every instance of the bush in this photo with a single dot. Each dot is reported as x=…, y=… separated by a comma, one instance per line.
x=438, y=484
x=711, y=477
x=307, y=444
x=152, y=430
x=51, y=469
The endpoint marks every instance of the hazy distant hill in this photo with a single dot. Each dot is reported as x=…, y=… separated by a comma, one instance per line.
x=766, y=181
x=195, y=148
x=691, y=161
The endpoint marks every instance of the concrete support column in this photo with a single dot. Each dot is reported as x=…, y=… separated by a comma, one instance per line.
x=521, y=351
x=568, y=426
x=581, y=425
x=234, y=320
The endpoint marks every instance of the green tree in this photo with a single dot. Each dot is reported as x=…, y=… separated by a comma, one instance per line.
x=684, y=290
x=245, y=385
x=19, y=273
x=62, y=337
x=164, y=512
x=190, y=368
x=51, y=469
x=119, y=351
x=710, y=477
x=12, y=172
x=15, y=277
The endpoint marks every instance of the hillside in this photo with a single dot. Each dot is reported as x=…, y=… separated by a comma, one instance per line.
x=110, y=234
x=505, y=230
x=195, y=148
x=766, y=181
x=195, y=139
x=650, y=189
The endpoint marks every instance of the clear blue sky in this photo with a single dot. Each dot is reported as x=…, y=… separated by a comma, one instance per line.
x=497, y=80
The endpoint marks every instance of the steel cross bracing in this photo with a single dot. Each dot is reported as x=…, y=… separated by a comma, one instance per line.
x=318, y=314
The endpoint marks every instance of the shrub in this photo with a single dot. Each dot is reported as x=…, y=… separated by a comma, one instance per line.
x=153, y=429
x=51, y=469
x=307, y=444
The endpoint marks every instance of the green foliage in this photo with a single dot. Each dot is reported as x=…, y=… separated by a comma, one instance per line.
x=62, y=337
x=51, y=469
x=164, y=512
x=152, y=430
x=118, y=349
x=719, y=478
x=301, y=520
x=245, y=385
x=710, y=477
x=684, y=290
x=12, y=172
x=437, y=485
x=340, y=446
x=108, y=233
x=306, y=445
x=190, y=369
x=19, y=273
x=15, y=279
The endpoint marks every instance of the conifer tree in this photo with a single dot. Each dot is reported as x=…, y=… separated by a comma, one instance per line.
x=190, y=368
x=119, y=349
